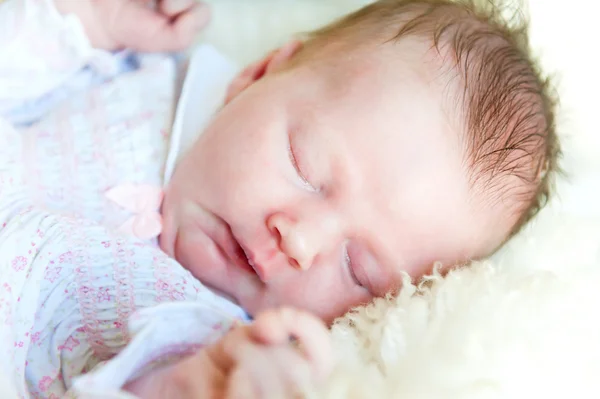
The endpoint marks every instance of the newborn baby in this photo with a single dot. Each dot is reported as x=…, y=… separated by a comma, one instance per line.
x=407, y=133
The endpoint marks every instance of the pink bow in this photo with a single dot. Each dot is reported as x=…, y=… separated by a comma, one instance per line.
x=144, y=201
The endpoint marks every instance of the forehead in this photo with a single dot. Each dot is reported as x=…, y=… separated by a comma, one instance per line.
x=389, y=116
x=385, y=117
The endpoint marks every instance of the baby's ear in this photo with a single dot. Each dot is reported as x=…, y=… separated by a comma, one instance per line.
x=257, y=70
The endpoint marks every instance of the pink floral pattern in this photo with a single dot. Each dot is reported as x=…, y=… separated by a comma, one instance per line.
x=103, y=294
x=35, y=337
x=19, y=263
x=52, y=273
x=44, y=383
x=68, y=286
x=69, y=344
x=83, y=294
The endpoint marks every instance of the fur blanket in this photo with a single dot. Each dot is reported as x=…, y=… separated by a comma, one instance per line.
x=492, y=330
x=481, y=332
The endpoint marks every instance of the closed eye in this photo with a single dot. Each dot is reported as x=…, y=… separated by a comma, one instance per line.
x=350, y=267
x=296, y=166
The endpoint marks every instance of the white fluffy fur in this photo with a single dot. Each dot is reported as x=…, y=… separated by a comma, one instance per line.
x=481, y=332
x=523, y=325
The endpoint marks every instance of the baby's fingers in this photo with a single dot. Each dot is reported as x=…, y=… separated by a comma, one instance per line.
x=278, y=326
x=144, y=29
x=173, y=8
x=269, y=372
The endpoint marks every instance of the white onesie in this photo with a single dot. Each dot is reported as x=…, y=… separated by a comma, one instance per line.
x=70, y=276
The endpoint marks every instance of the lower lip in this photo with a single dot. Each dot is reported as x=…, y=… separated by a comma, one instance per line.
x=240, y=258
x=246, y=266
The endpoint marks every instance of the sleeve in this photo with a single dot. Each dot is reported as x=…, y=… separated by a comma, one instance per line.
x=68, y=288
x=162, y=336
x=40, y=50
x=71, y=287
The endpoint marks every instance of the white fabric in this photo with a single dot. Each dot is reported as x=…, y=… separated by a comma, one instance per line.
x=68, y=285
x=184, y=325
x=207, y=76
x=161, y=333
x=40, y=51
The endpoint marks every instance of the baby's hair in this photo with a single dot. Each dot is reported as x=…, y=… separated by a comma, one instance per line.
x=508, y=106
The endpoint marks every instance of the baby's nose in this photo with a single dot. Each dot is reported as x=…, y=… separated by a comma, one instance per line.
x=296, y=242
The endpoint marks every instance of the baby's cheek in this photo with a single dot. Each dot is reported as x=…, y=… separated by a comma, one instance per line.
x=328, y=301
x=192, y=249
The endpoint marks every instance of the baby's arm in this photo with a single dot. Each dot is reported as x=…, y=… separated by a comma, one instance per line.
x=39, y=50
x=70, y=288
x=255, y=361
x=44, y=43
x=151, y=26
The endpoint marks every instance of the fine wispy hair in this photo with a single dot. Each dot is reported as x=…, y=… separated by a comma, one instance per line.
x=508, y=105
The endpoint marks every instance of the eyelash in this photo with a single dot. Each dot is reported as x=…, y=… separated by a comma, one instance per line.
x=301, y=175
x=348, y=263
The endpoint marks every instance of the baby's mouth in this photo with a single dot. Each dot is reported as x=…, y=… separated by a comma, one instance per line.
x=246, y=260
x=249, y=259
x=229, y=245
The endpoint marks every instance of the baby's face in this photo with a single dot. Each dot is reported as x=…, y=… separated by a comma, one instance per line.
x=315, y=187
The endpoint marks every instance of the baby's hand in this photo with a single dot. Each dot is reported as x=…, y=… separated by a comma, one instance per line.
x=280, y=353
x=142, y=25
